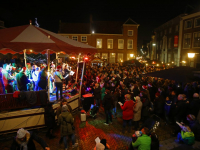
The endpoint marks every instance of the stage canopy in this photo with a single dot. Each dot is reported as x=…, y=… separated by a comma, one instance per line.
x=37, y=40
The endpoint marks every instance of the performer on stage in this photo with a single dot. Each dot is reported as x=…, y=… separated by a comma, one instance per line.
x=22, y=80
x=58, y=81
x=2, y=87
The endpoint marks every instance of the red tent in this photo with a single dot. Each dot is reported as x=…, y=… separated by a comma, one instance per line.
x=37, y=40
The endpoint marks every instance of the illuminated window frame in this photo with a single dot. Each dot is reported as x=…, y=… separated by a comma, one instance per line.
x=130, y=32
x=131, y=45
x=75, y=38
x=121, y=43
x=99, y=45
x=83, y=38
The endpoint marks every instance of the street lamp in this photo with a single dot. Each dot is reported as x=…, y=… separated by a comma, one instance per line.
x=191, y=56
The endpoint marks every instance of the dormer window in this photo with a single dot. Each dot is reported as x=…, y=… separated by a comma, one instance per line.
x=130, y=32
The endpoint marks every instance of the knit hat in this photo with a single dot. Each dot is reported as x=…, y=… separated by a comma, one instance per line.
x=149, y=84
x=190, y=117
x=138, y=133
x=100, y=146
x=21, y=133
x=64, y=108
x=157, y=94
x=144, y=87
x=58, y=67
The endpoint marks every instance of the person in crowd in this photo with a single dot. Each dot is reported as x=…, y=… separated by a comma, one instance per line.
x=22, y=80
x=115, y=96
x=2, y=87
x=154, y=141
x=50, y=120
x=194, y=126
x=145, y=106
x=168, y=104
x=42, y=79
x=25, y=141
x=58, y=82
x=159, y=104
x=137, y=109
x=66, y=120
x=97, y=94
x=107, y=104
x=195, y=104
x=143, y=142
x=127, y=114
x=103, y=89
x=186, y=136
x=34, y=74
x=59, y=109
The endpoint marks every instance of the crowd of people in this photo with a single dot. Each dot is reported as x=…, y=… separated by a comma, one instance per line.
x=138, y=96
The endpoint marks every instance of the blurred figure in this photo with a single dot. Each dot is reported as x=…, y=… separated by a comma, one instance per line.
x=42, y=79
x=194, y=126
x=97, y=94
x=137, y=112
x=58, y=81
x=2, y=87
x=24, y=141
x=22, y=80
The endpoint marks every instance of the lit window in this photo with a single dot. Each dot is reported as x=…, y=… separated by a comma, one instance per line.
x=112, y=58
x=130, y=32
x=196, y=42
x=120, y=43
x=83, y=38
x=110, y=43
x=187, y=40
x=188, y=24
x=120, y=57
x=130, y=44
x=197, y=22
x=75, y=38
x=105, y=56
x=97, y=55
x=99, y=43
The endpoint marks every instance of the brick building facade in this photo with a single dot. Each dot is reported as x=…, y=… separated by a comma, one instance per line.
x=115, y=41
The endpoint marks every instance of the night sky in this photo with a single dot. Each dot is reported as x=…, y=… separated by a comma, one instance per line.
x=148, y=13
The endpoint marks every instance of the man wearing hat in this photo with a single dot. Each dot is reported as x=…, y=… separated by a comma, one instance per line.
x=65, y=120
x=58, y=81
x=24, y=141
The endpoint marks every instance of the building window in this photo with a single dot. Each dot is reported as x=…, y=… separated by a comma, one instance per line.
x=75, y=38
x=130, y=56
x=161, y=44
x=105, y=56
x=187, y=40
x=120, y=57
x=176, y=28
x=83, y=38
x=170, y=30
x=188, y=24
x=196, y=40
x=169, y=43
x=130, y=32
x=97, y=55
x=130, y=44
x=99, y=43
x=112, y=58
x=120, y=43
x=110, y=44
x=197, y=22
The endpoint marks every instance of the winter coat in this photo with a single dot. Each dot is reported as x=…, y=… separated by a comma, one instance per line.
x=180, y=112
x=159, y=104
x=195, y=127
x=145, y=106
x=42, y=80
x=143, y=142
x=22, y=80
x=59, y=110
x=50, y=117
x=127, y=108
x=195, y=106
x=29, y=138
x=188, y=137
x=168, y=106
x=137, y=111
x=97, y=93
x=65, y=128
x=108, y=102
x=103, y=93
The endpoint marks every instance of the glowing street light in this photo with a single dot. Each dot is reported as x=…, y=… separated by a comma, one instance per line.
x=154, y=44
x=191, y=55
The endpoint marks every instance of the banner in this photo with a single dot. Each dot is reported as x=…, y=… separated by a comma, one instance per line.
x=176, y=41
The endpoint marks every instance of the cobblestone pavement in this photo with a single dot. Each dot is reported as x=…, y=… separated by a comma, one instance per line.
x=86, y=132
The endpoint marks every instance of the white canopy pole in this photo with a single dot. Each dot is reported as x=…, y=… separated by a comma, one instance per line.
x=48, y=73
x=25, y=56
x=77, y=66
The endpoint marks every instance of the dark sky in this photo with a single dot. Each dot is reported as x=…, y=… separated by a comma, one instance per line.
x=148, y=13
